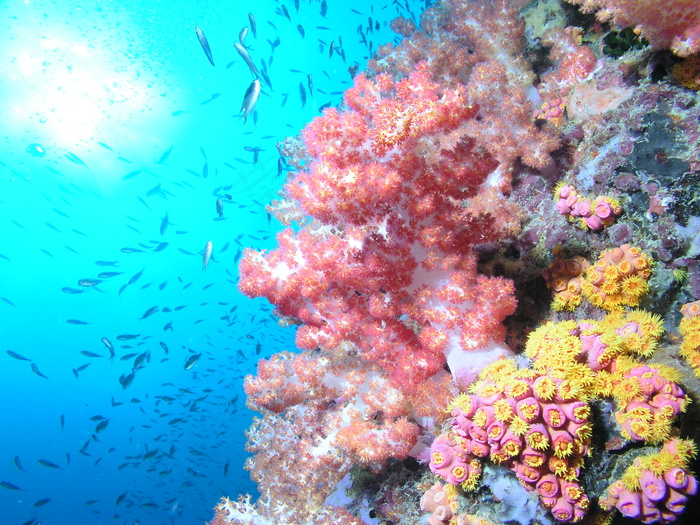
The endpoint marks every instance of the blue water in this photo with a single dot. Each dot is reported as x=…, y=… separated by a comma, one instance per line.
x=94, y=94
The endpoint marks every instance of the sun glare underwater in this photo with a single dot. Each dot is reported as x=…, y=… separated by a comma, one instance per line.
x=125, y=162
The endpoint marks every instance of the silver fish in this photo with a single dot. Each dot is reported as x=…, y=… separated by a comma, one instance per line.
x=250, y=99
x=205, y=45
x=242, y=35
x=246, y=58
x=89, y=282
x=207, y=255
x=253, y=25
x=109, y=346
x=220, y=208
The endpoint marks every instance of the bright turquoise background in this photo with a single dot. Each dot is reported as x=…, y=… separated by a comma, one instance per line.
x=114, y=84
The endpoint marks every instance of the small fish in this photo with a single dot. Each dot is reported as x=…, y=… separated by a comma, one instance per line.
x=120, y=498
x=87, y=353
x=250, y=99
x=42, y=502
x=76, y=321
x=164, y=347
x=135, y=277
x=324, y=8
x=35, y=369
x=161, y=246
x=150, y=454
x=253, y=25
x=140, y=360
x=302, y=94
x=150, y=193
x=9, y=486
x=242, y=35
x=109, y=346
x=285, y=11
x=48, y=463
x=226, y=469
x=17, y=356
x=149, y=312
x=191, y=361
x=131, y=250
x=74, y=159
x=18, y=464
x=220, y=208
x=108, y=275
x=164, y=157
x=132, y=174
x=107, y=263
x=213, y=97
x=127, y=337
x=300, y=28
x=274, y=44
x=164, y=224
x=86, y=283
x=207, y=255
x=101, y=426
x=126, y=380
x=63, y=417
x=247, y=59
x=203, y=42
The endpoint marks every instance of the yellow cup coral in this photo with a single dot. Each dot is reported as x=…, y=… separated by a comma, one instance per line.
x=619, y=278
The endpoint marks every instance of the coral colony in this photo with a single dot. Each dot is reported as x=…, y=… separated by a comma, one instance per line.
x=492, y=263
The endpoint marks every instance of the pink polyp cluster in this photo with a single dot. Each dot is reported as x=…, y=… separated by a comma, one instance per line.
x=533, y=431
x=593, y=214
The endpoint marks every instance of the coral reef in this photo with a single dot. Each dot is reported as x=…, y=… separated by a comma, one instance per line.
x=467, y=341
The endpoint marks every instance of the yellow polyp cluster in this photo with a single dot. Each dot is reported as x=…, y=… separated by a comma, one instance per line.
x=619, y=278
x=636, y=332
x=462, y=401
x=565, y=278
x=690, y=331
x=556, y=347
x=601, y=359
x=540, y=342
